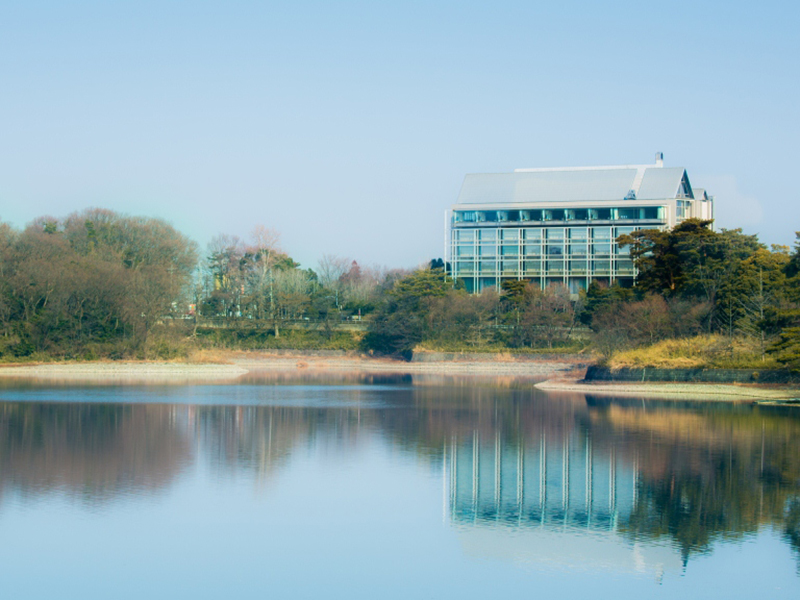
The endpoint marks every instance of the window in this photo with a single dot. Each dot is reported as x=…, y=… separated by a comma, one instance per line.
x=578, y=249
x=488, y=250
x=488, y=267
x=601, y=248
x=602, y=267
x=534, y=249
x=465, y=267
x=578, y=267
x=601, y=233
x=624, y=266
x=599, y=214
x=578, y=233
x=510, y=268
x=532, y=267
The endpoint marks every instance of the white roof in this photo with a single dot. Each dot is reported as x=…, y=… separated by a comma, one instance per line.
x=585, y=184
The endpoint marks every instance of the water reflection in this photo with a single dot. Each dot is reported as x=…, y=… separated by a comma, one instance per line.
x=94, y=452
x=511, y=458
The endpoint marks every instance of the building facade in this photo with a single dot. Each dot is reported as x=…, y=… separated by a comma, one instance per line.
x=560, y=225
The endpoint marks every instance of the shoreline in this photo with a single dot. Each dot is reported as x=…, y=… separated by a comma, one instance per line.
x=715, y=392
x=233, y=365
x=553, y=375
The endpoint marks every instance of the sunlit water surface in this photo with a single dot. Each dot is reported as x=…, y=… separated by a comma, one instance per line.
x=391, y=487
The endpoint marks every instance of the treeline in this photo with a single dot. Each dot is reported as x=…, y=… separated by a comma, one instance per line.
x=727, y=298
x=91, y=284
x=97, y=283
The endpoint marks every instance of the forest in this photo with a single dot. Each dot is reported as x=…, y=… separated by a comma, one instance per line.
x=97, y=284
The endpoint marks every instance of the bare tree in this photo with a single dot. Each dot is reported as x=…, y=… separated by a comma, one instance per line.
x=330, y=269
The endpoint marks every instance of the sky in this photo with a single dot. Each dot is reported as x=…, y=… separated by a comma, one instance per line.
x=348, y=127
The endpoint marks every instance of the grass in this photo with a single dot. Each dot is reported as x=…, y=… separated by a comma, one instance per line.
x=700, y=352
x=435, y=346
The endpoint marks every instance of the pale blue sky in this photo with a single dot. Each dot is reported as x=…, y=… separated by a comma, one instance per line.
x=349, y=126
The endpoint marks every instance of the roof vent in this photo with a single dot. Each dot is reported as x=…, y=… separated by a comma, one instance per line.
x=659, y=159
x=631, y=195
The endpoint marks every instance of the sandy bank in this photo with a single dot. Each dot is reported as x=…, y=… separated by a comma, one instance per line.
x=123, y=372
x=238, y=364
x=528, y=368
x=677, y=391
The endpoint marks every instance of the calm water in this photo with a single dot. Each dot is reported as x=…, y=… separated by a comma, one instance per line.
x=391, y=488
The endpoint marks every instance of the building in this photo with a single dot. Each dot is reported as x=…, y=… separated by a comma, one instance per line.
x=560, y=225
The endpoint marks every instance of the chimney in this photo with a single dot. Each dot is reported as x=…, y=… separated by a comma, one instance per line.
x=659, y=159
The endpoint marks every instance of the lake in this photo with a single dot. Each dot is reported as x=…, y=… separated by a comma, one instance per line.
x=370, y=486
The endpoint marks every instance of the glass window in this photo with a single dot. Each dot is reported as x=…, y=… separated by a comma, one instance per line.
x=508, y=250
x=624, y=231
x=599, y=214
x=652, y=212
x=488, y=250
x=578, y=233
x=533, y=234
x=466, y=250
x=628, y=213
x=555, y=234
x=601, y=233
x=488, y=235
x=532, y=249
x=488, y=266
x=555, y=266
x=465, y=267
x=532, y=267
x=578, y=249
x=510, y=234
x=555, y=250
x=536, y=215
x=602, y=267
x=510, y=267
x=624, y=266
x=465, y=235
x=601, y=248
x=578, y=267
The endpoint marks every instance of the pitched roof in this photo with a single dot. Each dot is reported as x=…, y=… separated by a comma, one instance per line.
x=649, y=182
x=660, y=183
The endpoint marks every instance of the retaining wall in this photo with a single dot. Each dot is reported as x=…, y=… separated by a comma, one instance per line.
x=595, y=373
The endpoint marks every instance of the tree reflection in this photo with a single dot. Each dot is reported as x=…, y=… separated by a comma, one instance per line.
x=689, y=473
x=92, y=451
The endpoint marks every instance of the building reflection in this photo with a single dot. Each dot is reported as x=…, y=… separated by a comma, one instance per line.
x=538, y=481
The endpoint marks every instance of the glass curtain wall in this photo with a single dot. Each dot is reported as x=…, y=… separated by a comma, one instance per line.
x=573, y=256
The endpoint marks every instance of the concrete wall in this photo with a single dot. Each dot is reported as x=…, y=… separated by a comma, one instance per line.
x=595, y=373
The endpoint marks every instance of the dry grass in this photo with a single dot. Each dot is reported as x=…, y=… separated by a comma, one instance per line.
x=210, y=356
x=704, y=351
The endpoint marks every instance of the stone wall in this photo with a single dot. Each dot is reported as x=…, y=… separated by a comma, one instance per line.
x=596, y=373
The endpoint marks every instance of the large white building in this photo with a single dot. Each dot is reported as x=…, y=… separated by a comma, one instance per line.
x=560, y=225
